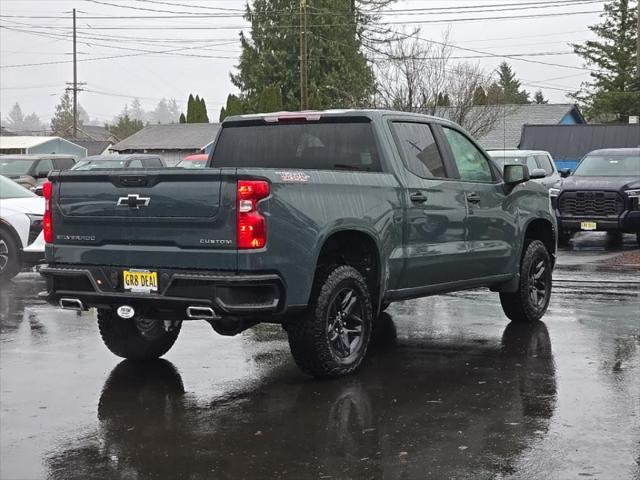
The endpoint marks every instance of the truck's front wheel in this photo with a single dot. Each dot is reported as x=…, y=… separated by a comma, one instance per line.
x=331, y=338
x=531, y=300
x=136, y=339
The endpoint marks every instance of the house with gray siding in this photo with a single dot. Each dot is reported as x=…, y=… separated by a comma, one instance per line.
x=171, y=142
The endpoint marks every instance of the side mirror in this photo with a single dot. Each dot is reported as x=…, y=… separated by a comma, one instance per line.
x=515, y=174
x=565, y=172
x=37, y=190
x=538, y=173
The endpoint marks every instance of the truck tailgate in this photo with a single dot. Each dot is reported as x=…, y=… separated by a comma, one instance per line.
x=141, y=217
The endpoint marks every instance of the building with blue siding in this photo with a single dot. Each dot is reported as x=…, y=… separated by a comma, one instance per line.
x=40, y=145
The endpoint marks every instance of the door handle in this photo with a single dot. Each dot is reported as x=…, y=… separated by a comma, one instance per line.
x=418, y=197
x=473, y=197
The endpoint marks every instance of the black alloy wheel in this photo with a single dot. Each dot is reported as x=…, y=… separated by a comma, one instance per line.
x=539, y=280
x=345, y=324
x=530, y=302
x=331, y=338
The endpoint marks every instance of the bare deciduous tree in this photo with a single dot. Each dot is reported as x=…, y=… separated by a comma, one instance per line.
x=420, y=76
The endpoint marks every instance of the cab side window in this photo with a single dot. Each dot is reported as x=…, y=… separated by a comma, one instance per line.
x=545, y=163
x=135, y=163
x=43, y=168
x=419, y=150
x=472, y=164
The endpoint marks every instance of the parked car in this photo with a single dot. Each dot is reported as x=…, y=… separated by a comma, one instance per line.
x=199, y=160
x=541, y=166
x=30, y=171
x=21, y=238
x=117, y=162
x=601, y=195
x=313, y=220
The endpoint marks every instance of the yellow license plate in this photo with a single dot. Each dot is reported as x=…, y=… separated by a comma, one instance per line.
x=140, y=280
x=588, y=225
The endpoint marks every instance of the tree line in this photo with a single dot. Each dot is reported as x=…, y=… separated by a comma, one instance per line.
x=354, y=61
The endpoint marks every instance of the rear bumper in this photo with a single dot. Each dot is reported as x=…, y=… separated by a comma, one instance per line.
x=628, y=221
x=229, y=295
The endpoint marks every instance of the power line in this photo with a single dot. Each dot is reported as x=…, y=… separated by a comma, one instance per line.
x=408, y=22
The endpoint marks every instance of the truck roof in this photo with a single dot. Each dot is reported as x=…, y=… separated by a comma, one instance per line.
x=346, y=113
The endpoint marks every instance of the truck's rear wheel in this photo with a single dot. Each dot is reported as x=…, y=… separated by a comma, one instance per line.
x=136, y=338
x=331, y=338
x=531, y=300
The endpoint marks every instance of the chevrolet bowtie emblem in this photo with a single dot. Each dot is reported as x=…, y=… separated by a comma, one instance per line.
x=133, y=200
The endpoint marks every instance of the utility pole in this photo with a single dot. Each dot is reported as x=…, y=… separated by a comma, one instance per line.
x=75, y=80
x=638, y=50
x=304, y=82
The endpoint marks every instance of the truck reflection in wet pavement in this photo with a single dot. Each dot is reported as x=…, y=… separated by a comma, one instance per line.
x=418, y=409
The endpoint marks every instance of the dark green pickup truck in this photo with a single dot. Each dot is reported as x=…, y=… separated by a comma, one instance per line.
x=313, y=220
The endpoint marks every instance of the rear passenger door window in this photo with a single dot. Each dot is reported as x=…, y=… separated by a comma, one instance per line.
x=43, y=168
x=472, y=165
x=152, y=163
x=64, y=163
x=419, y=150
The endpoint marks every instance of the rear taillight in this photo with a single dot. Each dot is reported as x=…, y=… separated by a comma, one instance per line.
x=47, y=224
x=252, y=228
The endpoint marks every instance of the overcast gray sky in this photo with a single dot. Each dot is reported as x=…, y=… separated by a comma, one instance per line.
x=205, y=50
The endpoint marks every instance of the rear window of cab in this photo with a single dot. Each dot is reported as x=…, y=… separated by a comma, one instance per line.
x=334, y=145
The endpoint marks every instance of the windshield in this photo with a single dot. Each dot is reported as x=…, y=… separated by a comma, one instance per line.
x=91, y=164
x=10, y=189
x=609, y=166
x=527, y=160
x=15, y=166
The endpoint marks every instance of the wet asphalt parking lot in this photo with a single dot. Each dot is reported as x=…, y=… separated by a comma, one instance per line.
x=450, y=390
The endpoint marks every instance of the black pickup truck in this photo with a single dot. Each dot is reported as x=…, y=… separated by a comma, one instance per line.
x=313, y=220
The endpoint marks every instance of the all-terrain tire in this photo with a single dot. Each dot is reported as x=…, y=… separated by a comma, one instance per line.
x=526, y=305
x=10, y=263
x=310, y=336
x=124, y=339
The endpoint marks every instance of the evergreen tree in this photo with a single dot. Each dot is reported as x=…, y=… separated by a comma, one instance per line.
x=614, y=90
x=125, y=127
x=539, y=98
x=62, y=121
x=190, y=109
x=270, y=100
x=24, y=124
x=338, y=72
x=234, y=106
x=204, y=118
x=510, y=85
x=479, y=96
x=182, y=118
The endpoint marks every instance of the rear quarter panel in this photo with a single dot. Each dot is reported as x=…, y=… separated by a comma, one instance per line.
x=307, y=206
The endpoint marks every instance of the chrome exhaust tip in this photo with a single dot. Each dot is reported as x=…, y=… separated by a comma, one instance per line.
x=71, y=304
x=201, y=313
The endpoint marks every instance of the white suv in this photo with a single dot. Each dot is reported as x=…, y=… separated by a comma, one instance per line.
x=21, y=237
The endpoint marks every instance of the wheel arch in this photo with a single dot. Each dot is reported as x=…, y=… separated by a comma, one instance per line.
x=6, y=226
x=544, y=230
x=360, y=249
